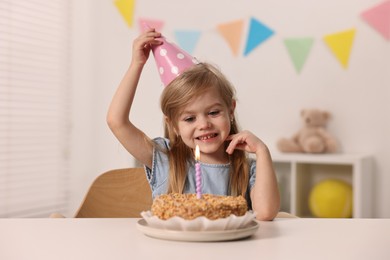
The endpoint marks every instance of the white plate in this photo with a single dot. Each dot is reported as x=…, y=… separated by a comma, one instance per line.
x=222, y=235
x=200, y=223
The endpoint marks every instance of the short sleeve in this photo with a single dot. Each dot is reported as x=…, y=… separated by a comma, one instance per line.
x=252, y=173
x=252, y=179
x=157, y=176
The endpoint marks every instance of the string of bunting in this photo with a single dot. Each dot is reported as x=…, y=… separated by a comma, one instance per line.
x=339, y=43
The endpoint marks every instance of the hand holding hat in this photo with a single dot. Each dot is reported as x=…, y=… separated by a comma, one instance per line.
x=171, y=60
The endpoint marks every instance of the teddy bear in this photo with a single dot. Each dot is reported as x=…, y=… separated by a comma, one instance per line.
x=313, y=137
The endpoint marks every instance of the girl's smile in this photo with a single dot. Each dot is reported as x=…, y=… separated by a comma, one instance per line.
x=207, y=137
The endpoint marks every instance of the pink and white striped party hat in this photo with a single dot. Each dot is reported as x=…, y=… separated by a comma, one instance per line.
x=171, y=60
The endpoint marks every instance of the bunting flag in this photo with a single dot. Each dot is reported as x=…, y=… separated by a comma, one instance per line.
x=126, y=9
x=298, y=49
x=341, y=44
x=151, y=23
x=232, y=32
x=258, y=33
x=187, y=40
x=379, y=18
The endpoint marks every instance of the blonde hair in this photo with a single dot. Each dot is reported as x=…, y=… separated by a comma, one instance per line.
x=187, y=86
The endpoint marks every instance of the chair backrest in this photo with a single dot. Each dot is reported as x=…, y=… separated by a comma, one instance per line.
x=120, y=193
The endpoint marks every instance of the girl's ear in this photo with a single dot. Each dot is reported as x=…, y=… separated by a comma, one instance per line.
x=232, y=108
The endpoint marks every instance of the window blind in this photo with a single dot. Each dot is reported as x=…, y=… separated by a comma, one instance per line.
x=34, y=107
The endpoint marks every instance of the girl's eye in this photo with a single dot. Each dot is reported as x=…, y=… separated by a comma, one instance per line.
x=189, y=119
x=214, y=113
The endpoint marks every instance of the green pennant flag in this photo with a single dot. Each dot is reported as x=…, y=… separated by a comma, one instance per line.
x=298, y=49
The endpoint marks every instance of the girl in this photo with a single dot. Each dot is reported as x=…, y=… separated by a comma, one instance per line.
x=198, y=108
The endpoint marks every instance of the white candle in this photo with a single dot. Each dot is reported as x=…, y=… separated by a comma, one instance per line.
x=198, y=173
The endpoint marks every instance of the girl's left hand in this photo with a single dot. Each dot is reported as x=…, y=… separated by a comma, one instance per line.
x=245, y=141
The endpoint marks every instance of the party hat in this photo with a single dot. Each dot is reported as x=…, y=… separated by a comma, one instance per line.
x=171, y=60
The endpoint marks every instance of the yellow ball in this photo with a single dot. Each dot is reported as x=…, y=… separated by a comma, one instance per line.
x=331, y=199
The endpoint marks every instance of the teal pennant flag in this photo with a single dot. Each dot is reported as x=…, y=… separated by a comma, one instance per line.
x=187, y=40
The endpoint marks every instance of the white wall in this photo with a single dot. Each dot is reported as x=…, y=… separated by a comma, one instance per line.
x=270, y=92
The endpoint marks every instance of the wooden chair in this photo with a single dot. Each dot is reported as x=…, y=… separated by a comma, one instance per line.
x=120, y=193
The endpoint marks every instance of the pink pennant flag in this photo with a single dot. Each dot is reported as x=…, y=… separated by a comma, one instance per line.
x=151, y=23
x=379, y=18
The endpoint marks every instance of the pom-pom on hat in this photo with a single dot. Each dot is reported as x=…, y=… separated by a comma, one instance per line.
x=171, y=60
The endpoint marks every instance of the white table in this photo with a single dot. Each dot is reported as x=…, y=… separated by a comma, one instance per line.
x=120, y=239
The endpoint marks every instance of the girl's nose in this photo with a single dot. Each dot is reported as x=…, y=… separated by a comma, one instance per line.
x=204, y=123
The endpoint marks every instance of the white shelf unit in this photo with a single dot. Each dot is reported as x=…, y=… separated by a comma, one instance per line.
x=298, y=173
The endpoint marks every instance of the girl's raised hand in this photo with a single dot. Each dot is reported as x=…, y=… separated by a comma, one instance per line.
x=246, y=141
x=142, y=46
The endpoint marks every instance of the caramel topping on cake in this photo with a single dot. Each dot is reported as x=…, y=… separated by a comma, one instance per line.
x=188, y=206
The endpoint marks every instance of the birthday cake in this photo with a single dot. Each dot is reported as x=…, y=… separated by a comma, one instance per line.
x=188, y=206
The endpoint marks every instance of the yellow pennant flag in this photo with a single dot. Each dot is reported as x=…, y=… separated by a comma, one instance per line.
x=126, y=9
x=232, y=33
x=341, y=44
